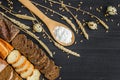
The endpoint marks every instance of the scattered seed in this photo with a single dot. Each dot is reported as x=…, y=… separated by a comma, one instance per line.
x=68, y=57
x=107, y=31
x=75, y=42
x=60, y=67
x=90, y=8
x=54, y=53
x=19, y=11
x=52, y=15
x=81, y=41
x=118, y=24
x=60, y=78
x=106, y=20
x=118, y=5
x=112, y=20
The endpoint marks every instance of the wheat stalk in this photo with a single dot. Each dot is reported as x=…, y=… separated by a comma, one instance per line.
x=102, y=22
x=66, y=50
x=24, y=17
x=21, y=16
x=78, y=21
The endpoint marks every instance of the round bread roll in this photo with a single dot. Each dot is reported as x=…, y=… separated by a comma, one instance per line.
x=23, y=68
x=35, y=76
x=28, y=73
x=20, y=63
x=13, y=57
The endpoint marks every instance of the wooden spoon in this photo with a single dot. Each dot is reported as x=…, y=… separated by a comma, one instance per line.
x=51, y=24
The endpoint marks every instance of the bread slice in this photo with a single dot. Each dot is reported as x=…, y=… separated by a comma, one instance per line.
x=28, y=73
x=35, y=76
x=13, y=57
x=20, y=63
x=23, y=68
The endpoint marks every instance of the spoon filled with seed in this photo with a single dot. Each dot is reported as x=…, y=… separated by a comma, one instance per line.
x=60, y=32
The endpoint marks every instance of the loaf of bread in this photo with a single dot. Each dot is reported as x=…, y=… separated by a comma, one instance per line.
x=36, y=56
x=7, y=72
x=21, y=64
x=5, y=48
x=7, y=29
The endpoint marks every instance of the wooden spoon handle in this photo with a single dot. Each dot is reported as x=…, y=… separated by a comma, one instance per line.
x=35, y=10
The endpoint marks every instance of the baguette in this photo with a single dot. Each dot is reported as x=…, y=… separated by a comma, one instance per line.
x=23, y=68
x=35, y=76
x=7, y=45
x=5, y=49
x=20, y=63
x=28, y=73
x=13, y=57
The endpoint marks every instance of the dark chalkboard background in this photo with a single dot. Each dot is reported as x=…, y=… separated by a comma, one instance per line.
x=100, y=55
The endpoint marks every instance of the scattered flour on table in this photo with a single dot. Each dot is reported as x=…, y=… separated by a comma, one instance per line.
x=63, y=34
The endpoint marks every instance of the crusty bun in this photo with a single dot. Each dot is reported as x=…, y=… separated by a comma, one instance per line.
x=20, y=63
x=13, y=57
x=23, y=68
x=35, y=76
x=5, y=49
x=3, y=65
x=28, y=73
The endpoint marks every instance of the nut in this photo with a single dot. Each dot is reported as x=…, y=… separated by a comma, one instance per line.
x=92, y=25
x=37, y=28
x=111, y=10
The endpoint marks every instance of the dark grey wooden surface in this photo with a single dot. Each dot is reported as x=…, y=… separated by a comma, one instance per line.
x=100, y=55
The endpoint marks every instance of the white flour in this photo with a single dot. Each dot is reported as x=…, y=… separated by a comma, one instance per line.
x=62, y=34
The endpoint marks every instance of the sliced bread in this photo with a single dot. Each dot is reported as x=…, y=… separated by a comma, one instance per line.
x=35, y=76
x=13, y=57
x=20, y=63
x=28, y=73
x=23, y=68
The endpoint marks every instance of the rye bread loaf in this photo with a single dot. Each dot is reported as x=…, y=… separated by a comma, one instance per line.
x=7, y=72
x=53, y=73
x=37, y=56
x=7, y=29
